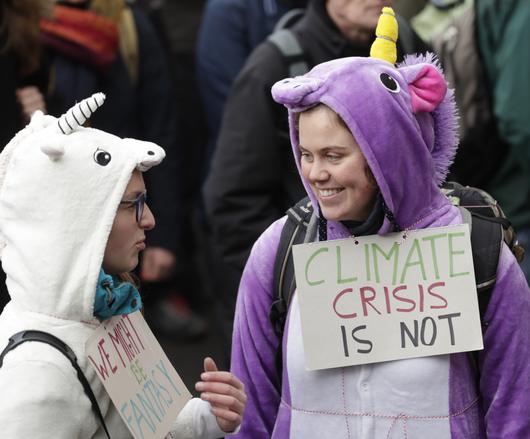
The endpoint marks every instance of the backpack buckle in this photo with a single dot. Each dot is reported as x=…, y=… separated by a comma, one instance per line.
x=277, y=315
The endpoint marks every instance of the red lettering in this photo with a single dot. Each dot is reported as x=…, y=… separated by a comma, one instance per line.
x=133, y=328
x=403, y=299
x=101, y=368
x=367, y=300
x=335, y=301
x=126, y=347
x=132, y=344
x=429, y=290
x=115, y=339
x=387, y=300
x=104, y=353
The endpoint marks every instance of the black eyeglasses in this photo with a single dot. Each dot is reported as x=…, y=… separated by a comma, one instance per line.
x=138, y=203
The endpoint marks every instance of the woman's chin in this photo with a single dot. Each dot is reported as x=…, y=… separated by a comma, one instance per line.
x=332, y=215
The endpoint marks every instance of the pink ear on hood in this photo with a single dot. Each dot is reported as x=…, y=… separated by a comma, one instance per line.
x=427, y=90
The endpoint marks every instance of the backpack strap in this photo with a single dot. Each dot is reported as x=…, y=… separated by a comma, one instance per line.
x=44, y=337
x=289, y=19
x=293, y=232
x=487, y=237
x=486, y=243
x=289, y=46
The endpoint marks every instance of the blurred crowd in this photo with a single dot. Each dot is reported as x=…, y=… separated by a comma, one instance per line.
x=194, y=76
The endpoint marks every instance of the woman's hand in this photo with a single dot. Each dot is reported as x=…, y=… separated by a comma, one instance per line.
x=31, y=100
x=157, y=264
x=225, y=393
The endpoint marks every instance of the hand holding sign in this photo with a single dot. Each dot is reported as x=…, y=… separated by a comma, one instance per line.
x=225, y=393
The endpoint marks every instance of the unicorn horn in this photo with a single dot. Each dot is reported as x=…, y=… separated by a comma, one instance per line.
x=384, y=46
x=80, y=113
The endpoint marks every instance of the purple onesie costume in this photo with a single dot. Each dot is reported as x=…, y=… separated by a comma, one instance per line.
x=403, y=119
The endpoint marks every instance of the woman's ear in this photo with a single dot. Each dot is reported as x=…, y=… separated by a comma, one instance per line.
x=427, y=89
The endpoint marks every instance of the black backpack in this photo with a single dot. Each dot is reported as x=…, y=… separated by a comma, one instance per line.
x=489, y=229
x=293, y=54
x=44, y=337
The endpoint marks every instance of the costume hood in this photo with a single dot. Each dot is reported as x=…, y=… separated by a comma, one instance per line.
x=403, y=118
x=60, y=187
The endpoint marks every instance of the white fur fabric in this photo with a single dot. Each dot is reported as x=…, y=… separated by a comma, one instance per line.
x=57, y=206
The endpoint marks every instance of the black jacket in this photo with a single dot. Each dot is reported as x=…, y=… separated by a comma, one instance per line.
x=143, y=109
x=253, y=178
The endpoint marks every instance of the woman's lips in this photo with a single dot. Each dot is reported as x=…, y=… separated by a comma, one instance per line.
x=328, y=194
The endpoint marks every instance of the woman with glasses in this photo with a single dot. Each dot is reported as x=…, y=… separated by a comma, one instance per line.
x=73, y=217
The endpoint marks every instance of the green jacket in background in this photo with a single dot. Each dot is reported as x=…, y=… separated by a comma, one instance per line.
x=504, y=41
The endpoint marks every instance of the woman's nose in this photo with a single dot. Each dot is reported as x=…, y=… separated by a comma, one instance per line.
x=147, y=222
x=318, y=172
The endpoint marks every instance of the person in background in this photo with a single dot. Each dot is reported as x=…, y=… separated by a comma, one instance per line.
x=502, y=35
x=230, y=30
x=436, y=16
x=110, y=45
x=185, y=315
x=242, y=196
x=23, y=77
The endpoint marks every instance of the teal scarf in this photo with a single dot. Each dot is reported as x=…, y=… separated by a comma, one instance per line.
x=114, y=297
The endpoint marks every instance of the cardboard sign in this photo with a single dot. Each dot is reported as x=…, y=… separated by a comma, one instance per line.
x=379, y=298
x=140, y=380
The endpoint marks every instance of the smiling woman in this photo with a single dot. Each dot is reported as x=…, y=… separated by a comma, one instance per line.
x=335, y=167
x=373, y=142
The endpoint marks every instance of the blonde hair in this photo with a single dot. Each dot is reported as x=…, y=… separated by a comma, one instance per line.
x=121, y=15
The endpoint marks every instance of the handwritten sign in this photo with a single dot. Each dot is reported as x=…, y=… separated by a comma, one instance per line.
x=140, y=380
x=385, y=298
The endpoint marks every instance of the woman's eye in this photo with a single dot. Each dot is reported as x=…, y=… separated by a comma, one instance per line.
x=333, y=157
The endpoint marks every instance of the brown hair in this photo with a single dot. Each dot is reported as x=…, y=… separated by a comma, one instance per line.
x=129, y=277
x=132, y=279
x=19, y=22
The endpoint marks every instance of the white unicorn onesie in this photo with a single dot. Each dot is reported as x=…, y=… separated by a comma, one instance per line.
x=60, y=187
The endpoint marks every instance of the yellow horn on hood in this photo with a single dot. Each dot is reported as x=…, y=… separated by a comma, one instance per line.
x=384, y=46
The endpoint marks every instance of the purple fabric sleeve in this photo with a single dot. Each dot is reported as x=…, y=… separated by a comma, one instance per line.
x=254, y=343
x=505, y=361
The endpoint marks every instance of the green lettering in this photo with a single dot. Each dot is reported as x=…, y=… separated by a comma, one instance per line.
x=453, y=253
x=411, y=263
x=340, y=280
x=394, y=251
x=433, y=250
x=313, y=256
x=367, y=262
